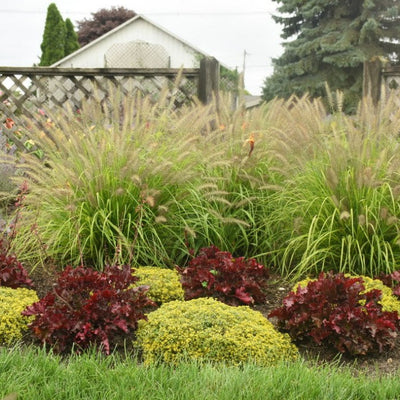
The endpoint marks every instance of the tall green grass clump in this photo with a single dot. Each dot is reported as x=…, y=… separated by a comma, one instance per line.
x=130, y=181
x=337, y=207
x=105, y=184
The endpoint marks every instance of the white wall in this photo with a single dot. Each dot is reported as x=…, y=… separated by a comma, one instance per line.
x=92, y=55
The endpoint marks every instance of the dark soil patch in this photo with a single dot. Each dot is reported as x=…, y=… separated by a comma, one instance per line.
x=374, y=365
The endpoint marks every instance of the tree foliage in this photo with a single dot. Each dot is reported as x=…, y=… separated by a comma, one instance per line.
x=71, y=38
x=101, y=22
x=53, y=37
x=328, y=41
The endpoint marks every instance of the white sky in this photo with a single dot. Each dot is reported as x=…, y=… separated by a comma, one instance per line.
x=221, y=28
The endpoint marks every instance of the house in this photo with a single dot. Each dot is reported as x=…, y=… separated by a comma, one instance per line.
x=137, y=43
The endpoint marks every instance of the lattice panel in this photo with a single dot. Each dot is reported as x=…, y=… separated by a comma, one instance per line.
x=392, y=85
x=25, y=94
x=136, y=54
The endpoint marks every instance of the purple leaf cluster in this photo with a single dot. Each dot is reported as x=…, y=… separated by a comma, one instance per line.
x=12, y=272
x=215, y=273
x=334, y=310
x=87, y=307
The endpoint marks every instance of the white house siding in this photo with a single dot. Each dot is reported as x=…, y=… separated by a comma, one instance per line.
x=138, y=29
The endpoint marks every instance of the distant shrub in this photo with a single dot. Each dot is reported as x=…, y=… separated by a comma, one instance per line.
x=12, y=303
x=12, y=272
x=215, y=273
x=206, y=329
x=88, y=307
x=339, y=310
x=164, y=284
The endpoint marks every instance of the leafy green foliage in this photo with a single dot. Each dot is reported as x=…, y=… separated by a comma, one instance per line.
x=87, y=307
x=71, y=38
x=337, y=310
x=327, y=42
x=206, y=329
x=53, y=44
x=215, y=273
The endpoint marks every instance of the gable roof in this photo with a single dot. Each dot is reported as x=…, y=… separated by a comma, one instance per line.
x=122, y=26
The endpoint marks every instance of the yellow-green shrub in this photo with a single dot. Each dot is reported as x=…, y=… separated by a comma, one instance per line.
x=389, y=301
x=164, y=283
x=206, y=329
x=12, y=303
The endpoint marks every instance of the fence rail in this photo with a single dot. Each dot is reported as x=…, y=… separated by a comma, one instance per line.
x=24, y=90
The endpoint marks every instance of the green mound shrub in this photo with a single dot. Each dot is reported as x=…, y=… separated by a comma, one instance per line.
x=12, y=303
x=206, y=329
x=164, y=284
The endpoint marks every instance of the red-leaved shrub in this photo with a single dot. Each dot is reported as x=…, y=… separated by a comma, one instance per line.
x=12, y=272
x=215, y=273
x=392, y=280
x=333, y=310
x=87, y=307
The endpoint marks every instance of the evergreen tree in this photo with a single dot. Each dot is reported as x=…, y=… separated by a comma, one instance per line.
x=328, y=41
x=71, y=38
x=53, y=37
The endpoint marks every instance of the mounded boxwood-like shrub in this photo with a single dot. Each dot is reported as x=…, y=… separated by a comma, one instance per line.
x=208, y=330
x=342, y=311
x=164, y=284
x=12, y=303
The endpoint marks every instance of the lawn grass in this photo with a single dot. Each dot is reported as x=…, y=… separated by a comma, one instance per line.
x=33, y=374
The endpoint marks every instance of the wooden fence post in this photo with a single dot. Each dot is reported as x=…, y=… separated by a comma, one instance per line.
x=208, y=79
x=372, y=79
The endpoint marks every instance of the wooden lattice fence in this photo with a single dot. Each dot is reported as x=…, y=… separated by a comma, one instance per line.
x=391, y=82
x=24, y=92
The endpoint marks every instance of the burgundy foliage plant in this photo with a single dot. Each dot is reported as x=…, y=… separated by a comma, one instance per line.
x=12, y=272
x=392, y=280
x=333, y=310
x=87, y=307
x=215, y=273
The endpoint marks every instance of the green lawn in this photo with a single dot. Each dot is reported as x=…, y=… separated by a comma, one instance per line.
x=33, y=375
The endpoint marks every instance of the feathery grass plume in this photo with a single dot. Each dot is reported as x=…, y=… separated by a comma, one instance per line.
x=122, y=181
x=328, y=213
x=106, y=174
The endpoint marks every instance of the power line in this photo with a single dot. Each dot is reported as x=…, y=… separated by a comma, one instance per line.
x=166, y=13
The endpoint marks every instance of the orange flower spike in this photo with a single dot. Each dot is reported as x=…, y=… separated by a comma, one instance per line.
x=222, y=127
x=251, y=142
x=244, y=126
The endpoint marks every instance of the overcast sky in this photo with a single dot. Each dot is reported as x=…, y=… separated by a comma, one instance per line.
x=224, y=29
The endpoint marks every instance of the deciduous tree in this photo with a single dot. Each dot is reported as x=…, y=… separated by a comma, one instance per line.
x=101, y=22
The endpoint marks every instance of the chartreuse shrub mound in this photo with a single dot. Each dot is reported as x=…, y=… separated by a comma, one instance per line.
x=356, y=315
x=208, y=330
x=12, y=303
x=164, y=284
